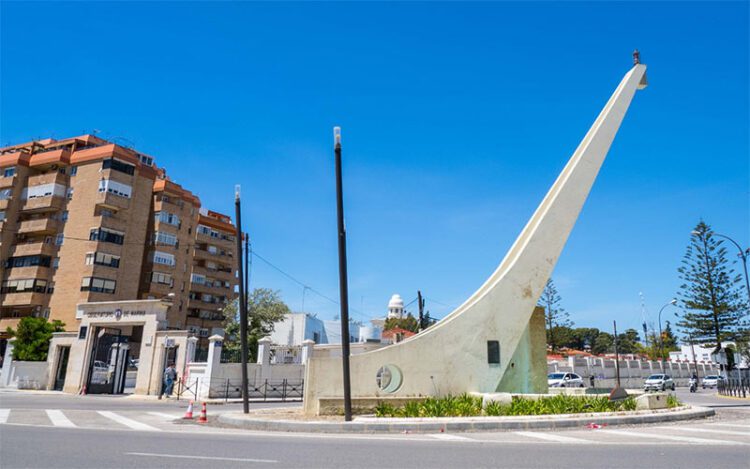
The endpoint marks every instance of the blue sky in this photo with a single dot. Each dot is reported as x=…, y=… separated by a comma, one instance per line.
x=456, y=120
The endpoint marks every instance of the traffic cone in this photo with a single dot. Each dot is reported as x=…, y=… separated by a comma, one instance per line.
x=189, y=412
x=203, y=418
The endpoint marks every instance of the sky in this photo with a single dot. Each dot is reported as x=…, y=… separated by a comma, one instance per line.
x=456, y=119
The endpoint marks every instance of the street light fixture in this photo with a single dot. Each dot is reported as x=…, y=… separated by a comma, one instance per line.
x=661, y=337
x=743, y=254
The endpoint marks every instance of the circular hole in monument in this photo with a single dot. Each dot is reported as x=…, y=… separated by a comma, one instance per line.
x=389, y=378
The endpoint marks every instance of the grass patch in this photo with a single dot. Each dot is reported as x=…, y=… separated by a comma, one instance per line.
x=465, y=405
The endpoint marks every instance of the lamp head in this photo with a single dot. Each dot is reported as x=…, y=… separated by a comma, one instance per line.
x=673, y=302
x=236, y=192
x=337, y=135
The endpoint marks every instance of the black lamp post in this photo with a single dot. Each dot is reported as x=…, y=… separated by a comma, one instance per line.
x=242, y=302
x=661, y=338
x=343, y=283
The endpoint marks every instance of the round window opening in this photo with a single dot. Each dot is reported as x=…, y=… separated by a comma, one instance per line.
x=389, y=378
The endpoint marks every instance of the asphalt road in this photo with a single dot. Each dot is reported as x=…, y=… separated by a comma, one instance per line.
x=35, y=438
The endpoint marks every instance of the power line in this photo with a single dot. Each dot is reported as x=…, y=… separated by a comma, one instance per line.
x=303, y=284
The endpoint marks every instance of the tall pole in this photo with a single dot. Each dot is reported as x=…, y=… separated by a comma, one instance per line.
x=343, y=284
x=692, y=349
x=743, y=255
x=617, y=356
x=420, y=300
x=242, y=301
x=661, y=337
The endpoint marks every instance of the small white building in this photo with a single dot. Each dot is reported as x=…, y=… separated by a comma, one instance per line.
x=702, y=354
x=396, y=307
x=295, y=328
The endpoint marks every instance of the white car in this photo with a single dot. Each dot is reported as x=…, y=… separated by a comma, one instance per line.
x=658, y=382
x=711, y=381
x=564, y=380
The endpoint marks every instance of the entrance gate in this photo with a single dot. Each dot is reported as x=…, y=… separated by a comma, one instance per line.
x=62, y=368
x=108, y=364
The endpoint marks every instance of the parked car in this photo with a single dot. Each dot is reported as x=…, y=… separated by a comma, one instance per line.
x=658, y=383
x=711, y=381
x=564, y=380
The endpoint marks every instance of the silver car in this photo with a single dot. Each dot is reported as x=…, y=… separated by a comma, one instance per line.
x=658, y=382
x=564, y=380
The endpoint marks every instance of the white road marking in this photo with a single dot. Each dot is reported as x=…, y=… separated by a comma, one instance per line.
x=210, y=458
x=59, y=419
x=685, y=439
x=449, y=437
x=127, y=422
x=165, y=416
x=730, y=425
x=555, y=438
x=708, y=430
x=4, y=414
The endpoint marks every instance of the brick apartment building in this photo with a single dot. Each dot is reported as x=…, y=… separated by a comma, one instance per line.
x=86, y=220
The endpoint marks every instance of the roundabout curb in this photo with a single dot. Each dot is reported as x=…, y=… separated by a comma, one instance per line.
x=464, y=424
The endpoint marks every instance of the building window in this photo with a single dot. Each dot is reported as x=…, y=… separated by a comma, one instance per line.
x=107, y=236
x=166, y=217
x=10, y=171
x=59, y=239
x=2, y=215
x=163, y=258
x=96, y=284
x=70, y=193
x=64, y=216
x=55, y=262
x=116, y=188
x=162, y=278
x=73, y=170
x=43, y=190
x=28, y=261
x=101, y=258
x=5, y=194
x=163, y=238
x=118, y=165
x=199, y=279
x=24, y=285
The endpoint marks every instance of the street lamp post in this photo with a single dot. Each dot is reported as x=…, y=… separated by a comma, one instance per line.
x=661, y=338
x=343, y=283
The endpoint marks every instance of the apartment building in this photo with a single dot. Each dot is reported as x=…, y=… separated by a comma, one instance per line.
x=86, y=220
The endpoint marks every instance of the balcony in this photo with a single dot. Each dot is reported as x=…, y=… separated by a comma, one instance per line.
x=8, y=181
x=32, y=249
x=4, y=204
x=112, y=201
x=48, y=203
x=29, y=298
x=198, y=304
x=40, y=226
x=48, y=178
x=112, y=223
x=34, y=271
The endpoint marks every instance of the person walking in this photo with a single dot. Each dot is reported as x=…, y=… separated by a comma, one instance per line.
x=170, y=375
x=591, y=380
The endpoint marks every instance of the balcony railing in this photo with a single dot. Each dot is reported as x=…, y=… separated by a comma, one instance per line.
x=7, y=181
x=111, y=201
x=28, y=298
x=48, y=178
x=40, y=225
x=43, y=204
x=30, y=249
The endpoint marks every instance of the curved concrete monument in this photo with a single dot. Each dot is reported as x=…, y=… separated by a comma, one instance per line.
x=490, y=343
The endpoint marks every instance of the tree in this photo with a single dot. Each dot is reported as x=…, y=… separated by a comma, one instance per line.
x=628, y=342
x=711, y=292
x=264, y=308
x=604, y=343
x=409, y=323
x=584, y=337
x=555, y=315
x=33, y=336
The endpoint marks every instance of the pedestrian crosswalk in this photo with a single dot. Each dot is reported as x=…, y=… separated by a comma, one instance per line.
x=712, y=432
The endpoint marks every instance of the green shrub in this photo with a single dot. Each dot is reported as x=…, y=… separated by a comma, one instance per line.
x=628, y=404
x=672, y=401
x=496, y=408
x=384, y=409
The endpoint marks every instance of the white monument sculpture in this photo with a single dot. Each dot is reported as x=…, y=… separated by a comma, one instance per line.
x=486, y=344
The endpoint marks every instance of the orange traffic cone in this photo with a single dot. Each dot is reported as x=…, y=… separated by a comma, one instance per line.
x=203, y=418
x=189, y=412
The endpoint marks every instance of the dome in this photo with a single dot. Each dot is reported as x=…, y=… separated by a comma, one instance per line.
x=396, y=302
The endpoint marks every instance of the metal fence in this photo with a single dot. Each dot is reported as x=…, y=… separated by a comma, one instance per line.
x=283, y=389
x=737, y=384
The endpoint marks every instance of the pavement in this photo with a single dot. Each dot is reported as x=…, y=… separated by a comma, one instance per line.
x=114, y=432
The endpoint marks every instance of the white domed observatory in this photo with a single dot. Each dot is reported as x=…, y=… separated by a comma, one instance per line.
x=396, y=307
